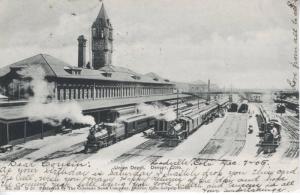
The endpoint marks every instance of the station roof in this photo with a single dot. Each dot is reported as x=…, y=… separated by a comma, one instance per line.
x=15, y=113
x=54, y=67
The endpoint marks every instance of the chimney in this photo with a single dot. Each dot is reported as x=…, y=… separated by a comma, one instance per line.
x=81, y=51
x=208, y=90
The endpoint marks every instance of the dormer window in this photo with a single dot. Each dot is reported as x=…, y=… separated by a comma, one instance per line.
x=167, y=80
x=76, y=72
x=72, y=70
x=156, y=79
x=136, y=77
x=68, y=69
x=107, y=74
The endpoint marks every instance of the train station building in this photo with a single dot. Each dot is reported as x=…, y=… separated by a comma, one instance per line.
x=97, y=86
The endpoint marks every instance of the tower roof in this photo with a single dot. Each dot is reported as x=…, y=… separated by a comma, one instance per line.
x=102, y=13
x=102, y=18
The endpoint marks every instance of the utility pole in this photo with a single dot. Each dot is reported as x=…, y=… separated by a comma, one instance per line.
x=177, y=104
x=230, y=96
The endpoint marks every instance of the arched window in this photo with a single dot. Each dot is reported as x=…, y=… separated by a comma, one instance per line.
x=102, y=34
x=94, y=32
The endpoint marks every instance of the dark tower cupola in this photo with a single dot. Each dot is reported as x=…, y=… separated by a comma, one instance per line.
x=102, y=40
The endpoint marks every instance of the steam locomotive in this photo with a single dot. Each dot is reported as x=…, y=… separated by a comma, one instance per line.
x=269, y=133
x=180, y=128
x=280, y=108
x=105, y=134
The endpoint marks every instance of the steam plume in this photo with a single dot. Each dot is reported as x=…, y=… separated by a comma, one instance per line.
x=53, y=113
x=158, y=111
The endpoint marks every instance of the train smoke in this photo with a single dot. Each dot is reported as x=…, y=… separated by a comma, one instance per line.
x=157, y=110
x=38, y=107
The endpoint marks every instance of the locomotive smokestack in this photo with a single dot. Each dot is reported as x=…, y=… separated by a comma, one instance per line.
x=81, y=51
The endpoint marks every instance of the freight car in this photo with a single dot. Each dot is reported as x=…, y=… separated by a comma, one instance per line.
x=105, y=134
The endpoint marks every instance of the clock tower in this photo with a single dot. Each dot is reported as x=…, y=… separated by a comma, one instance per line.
x=102, y=40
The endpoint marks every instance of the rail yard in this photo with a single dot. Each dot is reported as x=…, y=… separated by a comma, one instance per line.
x=149, y=96
x=218, y=130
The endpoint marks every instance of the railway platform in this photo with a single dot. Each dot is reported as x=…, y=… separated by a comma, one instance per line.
x=16, y=127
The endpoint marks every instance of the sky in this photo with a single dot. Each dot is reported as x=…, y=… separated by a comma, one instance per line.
x=239, y=43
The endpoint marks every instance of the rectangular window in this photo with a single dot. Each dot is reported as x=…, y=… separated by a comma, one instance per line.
x=64, y=94
x=58, y=94
x=70, y=93
x=79, y=93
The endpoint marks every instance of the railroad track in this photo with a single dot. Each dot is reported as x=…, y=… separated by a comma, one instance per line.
x=136, y=151
x=292, y=151
x=148, y=151
x=229, y=139
x=293, y=120
x=291, y=127
x=22, y=152
x=72, y=150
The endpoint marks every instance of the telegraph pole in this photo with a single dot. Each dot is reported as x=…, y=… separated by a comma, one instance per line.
x=177, y=104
